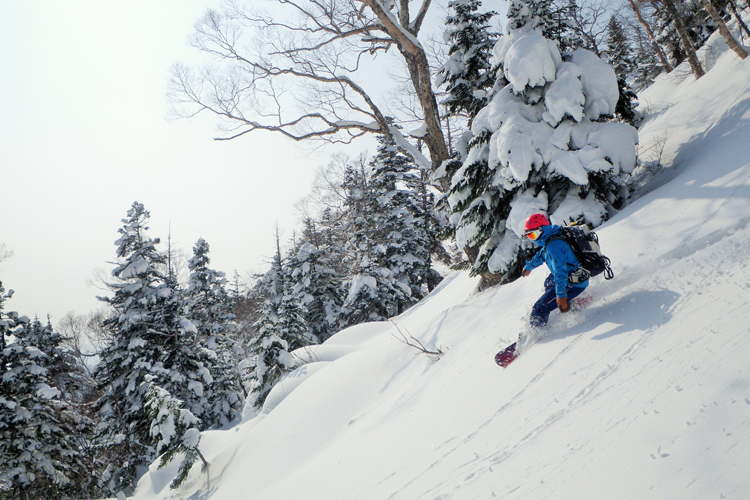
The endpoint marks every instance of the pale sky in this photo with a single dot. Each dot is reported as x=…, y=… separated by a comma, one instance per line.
x=83, y=134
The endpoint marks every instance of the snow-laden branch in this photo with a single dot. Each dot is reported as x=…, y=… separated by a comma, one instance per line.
x=406, y=40
x=409, y=148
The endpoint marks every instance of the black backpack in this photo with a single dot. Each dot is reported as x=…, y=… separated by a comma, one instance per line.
x=585, y=245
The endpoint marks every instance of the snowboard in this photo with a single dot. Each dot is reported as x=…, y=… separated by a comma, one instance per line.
x=509, y=354
x=506, y=356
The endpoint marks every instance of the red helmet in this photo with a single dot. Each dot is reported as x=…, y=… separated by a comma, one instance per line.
x=535, y=221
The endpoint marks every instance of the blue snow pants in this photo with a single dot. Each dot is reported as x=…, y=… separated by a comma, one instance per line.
x=548, y=302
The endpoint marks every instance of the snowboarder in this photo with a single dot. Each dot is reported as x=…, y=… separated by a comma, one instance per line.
x=566, y=281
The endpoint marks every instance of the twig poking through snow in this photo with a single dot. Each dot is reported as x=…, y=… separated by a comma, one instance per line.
x=418, y=345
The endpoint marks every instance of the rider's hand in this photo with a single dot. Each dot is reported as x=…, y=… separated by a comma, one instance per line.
x=562, y=303
x=525, y=273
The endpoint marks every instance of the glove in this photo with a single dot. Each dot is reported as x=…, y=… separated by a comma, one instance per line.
x=562, y=304
x=525, y=273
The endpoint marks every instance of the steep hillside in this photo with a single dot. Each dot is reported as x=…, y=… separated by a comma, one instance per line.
x=644, y=394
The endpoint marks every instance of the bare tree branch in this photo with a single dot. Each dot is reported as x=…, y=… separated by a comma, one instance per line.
x=415, y=343
x=5, y=252
x=296, y=76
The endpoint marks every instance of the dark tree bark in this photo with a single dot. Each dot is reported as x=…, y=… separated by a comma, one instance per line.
x=404, y=33
x=737, y=16
x=736, y=47
x=657, y=48
x=733, y=44
x=685, y=41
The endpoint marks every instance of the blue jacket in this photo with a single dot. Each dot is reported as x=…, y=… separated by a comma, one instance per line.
x=559, y=258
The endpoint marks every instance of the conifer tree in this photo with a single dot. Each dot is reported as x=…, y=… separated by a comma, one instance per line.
x=541, y=145
x=318, y=285
x=544, y=15
x=40, y=453
x=622, y=61
x=330, y=235
x=7, y=320
x=374, y=293
x=398, y=222
x=174, y=430
x=271, y=354
x=152, y=340
x=431, y=220
x=468, y=73
x=291, y=325
x=281, y=329
x=208, y=307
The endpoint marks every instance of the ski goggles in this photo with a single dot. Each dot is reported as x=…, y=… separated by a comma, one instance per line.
x=534, y=234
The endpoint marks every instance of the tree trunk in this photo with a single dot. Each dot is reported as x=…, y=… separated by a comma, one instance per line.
x=685, y=41
x=724, y=30
x=419, y=72
x=737, y=16
x=657, y=48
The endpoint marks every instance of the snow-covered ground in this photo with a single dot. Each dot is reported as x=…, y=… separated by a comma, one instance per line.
x=645, y=394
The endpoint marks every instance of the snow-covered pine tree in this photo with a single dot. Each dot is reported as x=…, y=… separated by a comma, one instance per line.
x=270, y=358
x=281, y=329
x=621, y=58
x=319, y=287
x=40, y=451
x=545, y=15
x=291, y=326
x=432, y=221
x=398, y=222
x=150, y=338
x=173, y=428
x=374, y=293
x=139, y=297
x=7, y=320
x=209, y=307
x=66, y=374
x=468, y=74
x=270, y=285
x=330, y=236
x=547, y=144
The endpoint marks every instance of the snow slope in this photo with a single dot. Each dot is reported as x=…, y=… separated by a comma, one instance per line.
x=645, y=394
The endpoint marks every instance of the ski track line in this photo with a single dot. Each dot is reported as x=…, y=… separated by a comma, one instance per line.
x=500, y=456
x=503, y=408
x=631, y=278
x=574, y=401
x=639, y=343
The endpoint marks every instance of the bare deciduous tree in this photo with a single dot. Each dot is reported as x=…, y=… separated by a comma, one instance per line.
x=646, y=26
x=297, y=76
x=589, y=22
x=743, y=25
x=327, y=191
x=84, y=334
x=736, y=47
x=5, y=252
x=685, y=41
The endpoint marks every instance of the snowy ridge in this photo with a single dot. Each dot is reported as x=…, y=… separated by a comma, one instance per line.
x=644, y=394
